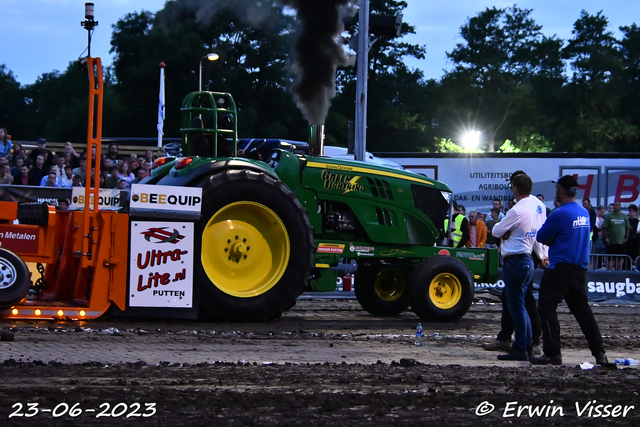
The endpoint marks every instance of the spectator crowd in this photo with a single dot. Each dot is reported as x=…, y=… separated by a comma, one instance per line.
x=41, y=167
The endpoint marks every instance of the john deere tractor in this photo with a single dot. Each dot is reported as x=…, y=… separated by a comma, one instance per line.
x=272, y=228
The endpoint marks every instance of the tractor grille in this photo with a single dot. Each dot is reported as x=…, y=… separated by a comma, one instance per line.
x=384, y=218
x=380, y=188
x=432, y=203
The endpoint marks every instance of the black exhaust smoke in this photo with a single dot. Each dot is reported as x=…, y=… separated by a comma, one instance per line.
x=317, y=54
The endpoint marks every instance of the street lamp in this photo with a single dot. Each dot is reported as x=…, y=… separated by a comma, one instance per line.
x=210, y=57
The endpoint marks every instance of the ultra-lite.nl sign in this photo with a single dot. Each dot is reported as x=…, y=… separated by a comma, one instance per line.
x=161, y=264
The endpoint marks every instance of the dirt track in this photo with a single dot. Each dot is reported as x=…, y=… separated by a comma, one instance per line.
x=324, y=363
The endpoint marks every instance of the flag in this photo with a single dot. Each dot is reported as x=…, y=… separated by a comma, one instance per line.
x=161, y=106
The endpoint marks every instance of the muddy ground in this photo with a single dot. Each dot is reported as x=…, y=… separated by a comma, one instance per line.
x=324, y=363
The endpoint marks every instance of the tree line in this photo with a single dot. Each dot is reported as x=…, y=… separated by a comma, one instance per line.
x=522, y=89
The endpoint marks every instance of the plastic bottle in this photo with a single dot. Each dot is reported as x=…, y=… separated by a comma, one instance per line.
x=627, y=362
x=419, y=334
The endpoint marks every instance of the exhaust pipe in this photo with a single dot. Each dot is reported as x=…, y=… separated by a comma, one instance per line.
x=316, y=140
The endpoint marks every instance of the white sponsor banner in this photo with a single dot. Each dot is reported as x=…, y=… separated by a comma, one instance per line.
x=476, y=180
x=161, y=264
x=166, y=197
x=108, y=198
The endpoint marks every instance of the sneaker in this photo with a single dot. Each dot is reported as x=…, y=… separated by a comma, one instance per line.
x=497, y=346
x=512, y=354
x=547, y=360
x=601, y=359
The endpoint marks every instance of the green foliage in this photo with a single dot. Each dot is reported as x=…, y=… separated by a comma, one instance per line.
x=529, y=143
x=504, y=60
x=508, y=81
x=398, y=107
x=13, y=106
x=591, y=123
x=253, y=64
x=444, y=145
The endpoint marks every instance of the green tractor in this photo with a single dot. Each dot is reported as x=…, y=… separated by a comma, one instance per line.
x=270, y=230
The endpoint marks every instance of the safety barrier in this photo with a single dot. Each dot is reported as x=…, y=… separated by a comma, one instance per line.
x=612, y=262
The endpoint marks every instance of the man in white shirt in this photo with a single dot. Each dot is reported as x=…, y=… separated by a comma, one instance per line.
x=518, y=231
x=67, y=179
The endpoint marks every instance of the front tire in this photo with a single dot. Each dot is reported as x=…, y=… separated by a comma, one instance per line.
x=256, y=247
x=381, y=289
x=14, y=279
x=441, y=289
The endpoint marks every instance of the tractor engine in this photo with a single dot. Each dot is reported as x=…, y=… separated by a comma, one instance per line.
x=339, y=217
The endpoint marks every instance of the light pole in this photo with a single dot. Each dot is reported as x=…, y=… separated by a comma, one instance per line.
x=210, y=57
x=88, y=24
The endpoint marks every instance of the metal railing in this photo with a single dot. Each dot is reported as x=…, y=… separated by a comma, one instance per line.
x=612, y=262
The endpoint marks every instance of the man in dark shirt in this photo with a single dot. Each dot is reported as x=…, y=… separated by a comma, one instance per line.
x=23, y=178
x=586, y=203
x=41, y=151
x=15, y=171
x=493, y=242
x=37, y=171
x=112, y=154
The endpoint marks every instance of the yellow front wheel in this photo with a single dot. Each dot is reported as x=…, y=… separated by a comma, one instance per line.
x=445, y=291
x=381, y=288
x=441, y=289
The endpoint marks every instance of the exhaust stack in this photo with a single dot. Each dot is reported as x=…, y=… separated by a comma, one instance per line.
x=316, y=140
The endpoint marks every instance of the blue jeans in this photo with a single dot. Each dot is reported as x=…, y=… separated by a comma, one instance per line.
x=516, y=273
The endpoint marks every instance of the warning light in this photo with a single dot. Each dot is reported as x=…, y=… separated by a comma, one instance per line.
x=160, y=161
x=183, y=162
x=14, y=311
x=37, y=312
x=60, y=313
x=82, y=313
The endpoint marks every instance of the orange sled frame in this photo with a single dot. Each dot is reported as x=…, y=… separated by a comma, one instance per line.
x=85, y=251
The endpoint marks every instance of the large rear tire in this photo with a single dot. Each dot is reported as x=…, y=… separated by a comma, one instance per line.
x=256, y=247
x=14, y=279
x=381, y=289
x=441, y=289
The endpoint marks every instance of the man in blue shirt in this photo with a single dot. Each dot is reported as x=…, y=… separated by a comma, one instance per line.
x=567, y=233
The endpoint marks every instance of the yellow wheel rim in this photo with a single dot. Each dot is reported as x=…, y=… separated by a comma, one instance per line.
x=389, y=284
x=445, y=291
x=245, y=249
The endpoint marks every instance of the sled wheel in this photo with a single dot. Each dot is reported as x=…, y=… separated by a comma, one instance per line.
x=381, y=289
x=256, y=246
x=441, y=289
x=14, y=278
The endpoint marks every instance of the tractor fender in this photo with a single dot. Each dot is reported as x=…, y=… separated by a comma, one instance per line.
x=214, y=167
